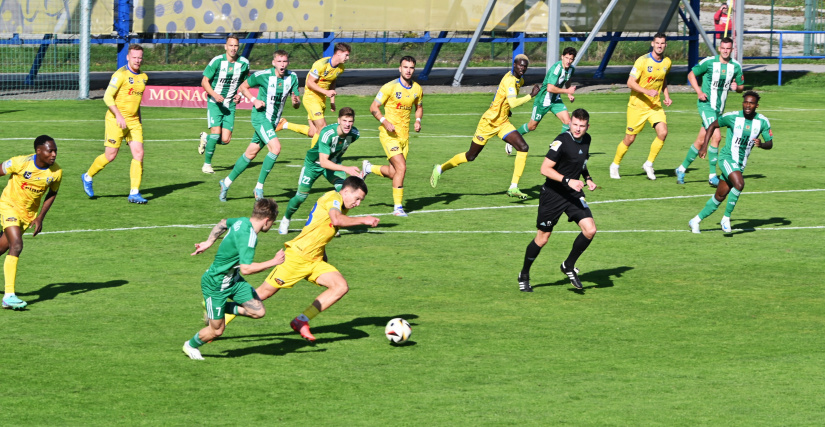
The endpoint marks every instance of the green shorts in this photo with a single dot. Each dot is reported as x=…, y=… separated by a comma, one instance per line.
x=215, y=293
x=539, y=110
x=728, y=166
x=312, y=171
x=218, y=115
x=708, y=115
x=264, y=131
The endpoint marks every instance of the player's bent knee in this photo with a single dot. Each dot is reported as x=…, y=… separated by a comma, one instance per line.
x=470, y=156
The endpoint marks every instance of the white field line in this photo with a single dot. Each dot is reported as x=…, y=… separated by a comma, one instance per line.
x=298, y=220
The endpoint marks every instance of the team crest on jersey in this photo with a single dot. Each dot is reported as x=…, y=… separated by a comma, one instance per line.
x=480, y=138
x=49, y=180
x=336, y=204
x=398, y=95
x=279, y=281
x=318, y=114
x=131, y=81
x=27, y=175
x=11, y=219
x=112, y=141
x=394, y=149
x=630, y=129
x=650, y=69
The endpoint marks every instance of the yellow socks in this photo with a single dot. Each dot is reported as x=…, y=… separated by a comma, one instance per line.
x=621, y=150
x=398, y=196
x=136, y=173
x=302, y=129
x=315, y=138
x=455, y=161
x=311, y=312
x=518, y=168
x=376, y=170
x=10, y=272
x=98, y=165
x=655, y=148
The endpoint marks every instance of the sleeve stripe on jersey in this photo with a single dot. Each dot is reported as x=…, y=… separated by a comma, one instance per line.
x=262, y=72
x=764, y=118
x=328, y=133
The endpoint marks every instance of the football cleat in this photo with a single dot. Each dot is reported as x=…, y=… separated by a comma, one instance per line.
x=259, y=193
x=713, y=181
x=399, y=211
x=14, y=303
x=87, y=186
x=202, y=143
x=283, y=228
x=434, y=177
x=515, y=192
x=192, y=352
x=207, y=168
x=366, y=168
x=680, y=176
x=648, y=168
x=302, y=328
x=614, y=171
x=508, y=148
x=137, y=198
x=280, y=124
x=524, y=283
x=573, y=275
x=694, y=225
x=224, y=189
x=725, y=223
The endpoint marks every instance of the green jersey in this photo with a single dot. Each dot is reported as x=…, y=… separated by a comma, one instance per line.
x=226, y=77
x=716, y=79
x=331, y=144
x=742, y=134
x=274, y=91
x=237, y=247
x=557, y=76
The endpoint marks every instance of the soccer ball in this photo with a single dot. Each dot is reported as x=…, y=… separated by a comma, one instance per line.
x=398, y=331
x=508, y=149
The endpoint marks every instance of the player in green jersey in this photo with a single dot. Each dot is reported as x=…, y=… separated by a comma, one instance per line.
x=274, y=85
x=744, y=129
x=719, y=74
x=325, y=158
x=549, y=100
x=221, y=80
x=224, y=280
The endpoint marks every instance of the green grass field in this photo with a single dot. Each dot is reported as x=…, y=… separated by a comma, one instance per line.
x=672, y=328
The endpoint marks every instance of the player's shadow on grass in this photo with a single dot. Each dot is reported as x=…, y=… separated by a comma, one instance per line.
x=414, y=204
x=290, y=342
x=50, y=291
x=751, y=225
x=158, y=192
x=591, y=279
x=9, y=111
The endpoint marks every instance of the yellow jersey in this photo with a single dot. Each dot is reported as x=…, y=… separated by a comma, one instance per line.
x=326, y=75
x=399, y=101
x=318, y=230
x=650, y=74
x=125, y=91
x=499, y=111
x=27, y=184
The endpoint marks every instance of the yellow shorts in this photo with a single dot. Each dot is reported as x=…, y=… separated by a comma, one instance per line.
x=315, y=107
x=636, y=119
x=487, y=130
x=9, y=217
x=296, y=268
x=393, y=145
x=115, y=135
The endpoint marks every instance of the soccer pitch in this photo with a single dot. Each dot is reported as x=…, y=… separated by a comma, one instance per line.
x=672, y=328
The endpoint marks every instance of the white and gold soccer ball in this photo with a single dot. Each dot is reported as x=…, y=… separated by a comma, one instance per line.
x=398, y=331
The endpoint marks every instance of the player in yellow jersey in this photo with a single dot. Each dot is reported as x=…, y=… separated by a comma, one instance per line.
x=647, y=79
x=398, y=97
x=306, y=256
x=496, y=121
x=123, y=123
x=30, y=178
x=320, y=85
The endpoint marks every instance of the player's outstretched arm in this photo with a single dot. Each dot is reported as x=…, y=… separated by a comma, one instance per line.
x=257, y=267
x=338, y=219
x=38, y=222
x=216, y=232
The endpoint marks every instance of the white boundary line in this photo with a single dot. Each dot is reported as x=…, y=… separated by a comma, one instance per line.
x=155, y=227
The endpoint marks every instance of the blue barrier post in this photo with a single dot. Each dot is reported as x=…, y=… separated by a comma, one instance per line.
x=123, y=27
x=608, y=53
x=780, y=59
x=425, y=73
x=518, y=45
x=247, y=48
x=693, y=33
x=38, y=60
x=329, y=44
